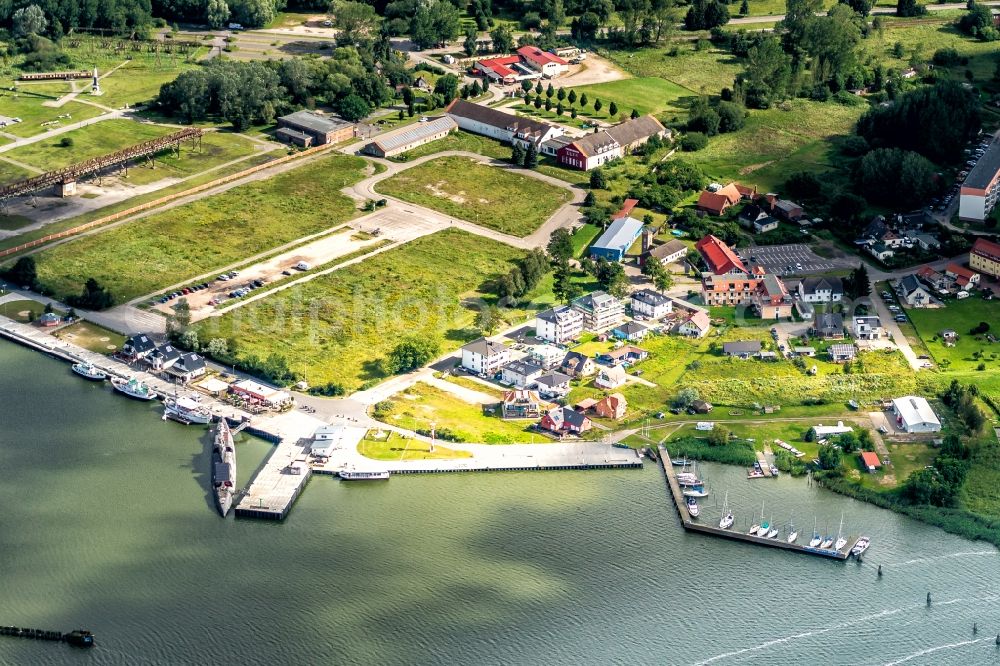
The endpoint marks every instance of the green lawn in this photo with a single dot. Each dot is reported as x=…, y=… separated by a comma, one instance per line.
x=11, y=172
x=644, y=94
x=91, y=141
x=91, y=336
x=496, y=198
x=583, y=237
x=702, y=72
x=337, y=327
x=924, y=38
x=28, y=106
x=139, y=257
x=420, y=405
x=961, y=316
x=458, y=140
x=22, y=310
x=395, y=447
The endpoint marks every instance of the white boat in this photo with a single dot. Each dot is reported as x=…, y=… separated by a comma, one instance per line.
x=760, y=529
x=696, y=492
x=753, y=530
x=692, y=506
x=363, y=475
x=841, y=540
x=774, y=471
x=133, y=388
x=186, y=410
x=773, y=532
x=727, y=515
x=793, y=534
x=861, y=546
x=827, y=542
x=816, y=538
x=88, y=371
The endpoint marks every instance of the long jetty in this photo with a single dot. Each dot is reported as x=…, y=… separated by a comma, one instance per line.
x=77, y=637
x=692, y=525
x=278, y=484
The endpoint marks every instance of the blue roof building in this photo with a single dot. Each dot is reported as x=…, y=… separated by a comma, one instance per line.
x=618, y=238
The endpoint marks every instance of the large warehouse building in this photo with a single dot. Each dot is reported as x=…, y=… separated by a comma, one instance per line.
x=914, y=414
x=305, y=128
x=408, y=138
x=615, y=242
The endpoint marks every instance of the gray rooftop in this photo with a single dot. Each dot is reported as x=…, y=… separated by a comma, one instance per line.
x=485, y=347
x=650, y=297
x=314, y=122
x=742, y=347
x=408, y=135
x=986, y=169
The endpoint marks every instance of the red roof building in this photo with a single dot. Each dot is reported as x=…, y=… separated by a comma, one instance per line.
x=627, y=207
x=716, y=203
x=499, y=69
x=962, y=275
x=542, y=61
x=719, y=257
x=870, y=461
x=985, y=257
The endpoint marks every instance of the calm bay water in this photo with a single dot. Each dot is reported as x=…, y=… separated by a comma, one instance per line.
x=107, y=524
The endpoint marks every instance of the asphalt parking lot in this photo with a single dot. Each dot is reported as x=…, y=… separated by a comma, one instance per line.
x=782, y=259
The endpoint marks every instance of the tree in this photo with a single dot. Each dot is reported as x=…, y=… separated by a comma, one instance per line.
x=589, y=199
x=910, y=8
x=732, y=117
x=561, y=94
x=563, y=287
x=634, y=114
x=831, y=40
x=686, y=397
x=976, y=20
x=597, y=105
x=217, y=348
x=910, y=177
x=858, y=284
x=611, y=277
x=658, y=275
x=29, y=20
x=767, y=76
x=502, y=38
x=598, y=181
x=434, y=23
x=447, y=86
x=744, y=8
x=693, y=141
x=538, y=88
x=93, y=297
x=469, y=46
x=531, y=157
x=489, y=319
x=23, y=273
x=411, y=353
x=829, y=457
x=517, y=155
x=356, y=20
x=216, y=13
x=560, y=244
x=550, y=91
x=613, y=109
x=719, y=436
x=548, y=104
x=862, y=7
x=353, y=108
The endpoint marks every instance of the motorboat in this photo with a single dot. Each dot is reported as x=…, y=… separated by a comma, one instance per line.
x=753, y=530
x=681, y=462
x=89, y=371
x=133, y=388
x=363, y=475
x=861, y=546
x=774, y=471
x=697, y=491
x=727, y=515
x=186, y=410
x=692, y=506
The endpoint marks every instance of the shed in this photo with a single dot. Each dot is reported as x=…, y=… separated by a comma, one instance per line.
x=870, y=461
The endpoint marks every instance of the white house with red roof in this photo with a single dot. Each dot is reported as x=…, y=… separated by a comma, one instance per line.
x=502, y=69
x=548, y=64
x=964, y=278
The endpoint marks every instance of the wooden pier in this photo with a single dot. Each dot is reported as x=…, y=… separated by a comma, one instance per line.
x=765, y=467
x=278, y=484
x=693, y=525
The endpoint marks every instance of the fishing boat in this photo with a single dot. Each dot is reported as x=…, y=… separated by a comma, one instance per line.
x=692, y=506
x=89, y=371
x=224, y=467
x=363, y=475
x=133, y=388
x=793, y=534
x=816, y=538
x=861, y=546
x=186, y=410
x=727, y=514
x=697, y=491
x=773, y=532
x=841, y=539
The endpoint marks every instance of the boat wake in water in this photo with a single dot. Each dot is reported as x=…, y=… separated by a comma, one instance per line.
x=932, y=650
x=971, y=553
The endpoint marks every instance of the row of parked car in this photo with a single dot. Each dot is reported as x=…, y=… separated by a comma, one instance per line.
x=897, y=312
x=183, y=292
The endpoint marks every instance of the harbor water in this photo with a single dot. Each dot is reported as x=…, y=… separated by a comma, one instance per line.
x=108, y=524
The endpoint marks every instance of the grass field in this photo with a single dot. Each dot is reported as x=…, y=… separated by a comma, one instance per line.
x=139, y=257
x=583, y=237
x=23, y=310
x=495, y=198
x=91, y=336
x=924, y=38
x=702, y=72
x=91, y=141
x=420, y=405
x=458, y=140
x=961, y=316
x=11, y=172
x=645, y=94
x=28, y=106
x=396, y=447
x=338, y=326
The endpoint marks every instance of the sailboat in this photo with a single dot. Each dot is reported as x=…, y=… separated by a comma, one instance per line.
x=773, y=533
x=761, y=529
x=793, y=534
x=816, y=539
x=827, y=541
x=841, y=541
x=727, y=514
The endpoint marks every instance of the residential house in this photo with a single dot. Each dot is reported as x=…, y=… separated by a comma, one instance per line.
x=701, y=407
x=964, y=278
x=163, y=357
x=487, y=121
x=985, y=257
x=934, y=279
x=876, y=229
x=728, y=289
x=611, y=406
x=546, y=356
x=547, y=64
x=870, y=461
x=804, y=351
x=666, y=253
x=632, y=331
x=914, y=415
x=867, y=328
x=720, y=258
x=610, y=377
x=596, y=148
x=742, y=348
x=188, y=367
x=913, y=292
x=625, y=354
x=651, y=304
x=520, y=374
x=560, y=324
x=521, y=404
x=716, y=202
x=828, y=326
x=565, y=421
x=981, y=188
x=553, y=385
x=616, y=239
x=750, y=214
x=842, y=353
x=600, y=310
x=763, y=225
x=485, y=357
x=697, y=325
x=821, y=289
x=138, y=347
x=787, y=210
x=576, y=364
x=927, y=241
x=771, y=299
x=881, y=251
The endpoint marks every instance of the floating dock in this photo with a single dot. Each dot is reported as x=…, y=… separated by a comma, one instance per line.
x=278, y=484
x=693, y=525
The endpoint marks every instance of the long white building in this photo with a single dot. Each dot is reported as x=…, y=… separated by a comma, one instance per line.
x=914, y=414
x=506, y=127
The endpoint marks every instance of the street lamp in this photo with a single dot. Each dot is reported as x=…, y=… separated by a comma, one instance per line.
x=433, y=426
